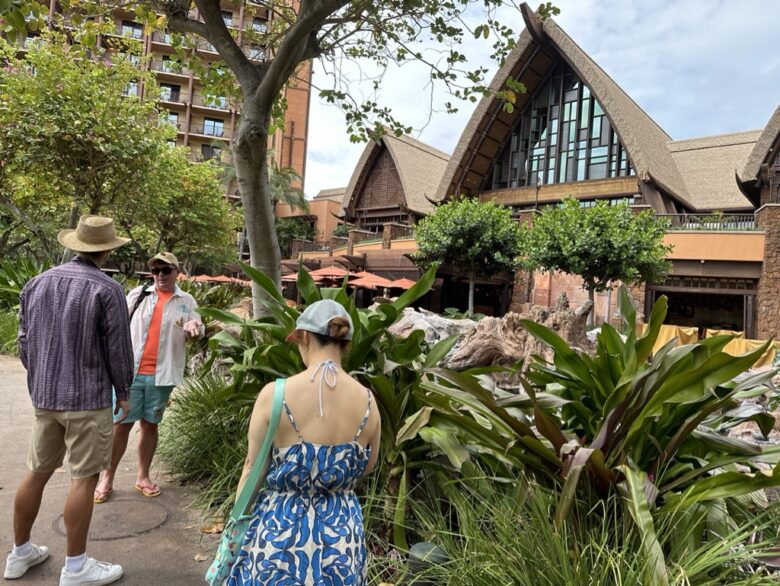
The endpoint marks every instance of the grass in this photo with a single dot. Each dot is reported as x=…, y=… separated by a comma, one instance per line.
x=203, y=439
x=505, y=536
x=9, y=327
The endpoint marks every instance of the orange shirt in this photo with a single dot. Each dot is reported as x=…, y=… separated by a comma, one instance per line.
x=148, y=363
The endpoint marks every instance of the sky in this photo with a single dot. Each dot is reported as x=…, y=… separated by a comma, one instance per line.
x=697, y=67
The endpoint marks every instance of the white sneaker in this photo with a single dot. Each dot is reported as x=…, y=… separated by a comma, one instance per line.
x=94, y=573
x=16, y=567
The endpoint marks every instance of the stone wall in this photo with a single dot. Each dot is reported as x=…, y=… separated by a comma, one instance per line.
x=768, y=298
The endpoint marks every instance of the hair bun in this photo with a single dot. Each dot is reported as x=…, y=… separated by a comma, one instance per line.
x=338, y=328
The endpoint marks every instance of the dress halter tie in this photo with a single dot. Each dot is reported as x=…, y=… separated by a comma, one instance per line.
x=327, y=370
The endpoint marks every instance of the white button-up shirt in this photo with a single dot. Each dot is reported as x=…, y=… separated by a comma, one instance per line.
x=171, y=351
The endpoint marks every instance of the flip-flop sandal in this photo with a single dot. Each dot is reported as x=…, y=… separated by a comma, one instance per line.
x=101, y=496
x=148, y=491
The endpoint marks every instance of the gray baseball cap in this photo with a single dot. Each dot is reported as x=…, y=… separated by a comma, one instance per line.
x=317, y=316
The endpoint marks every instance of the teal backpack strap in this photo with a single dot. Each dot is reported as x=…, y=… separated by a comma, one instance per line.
x=252, y=484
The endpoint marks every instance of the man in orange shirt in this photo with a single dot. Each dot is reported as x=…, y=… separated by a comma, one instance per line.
x=162, y=318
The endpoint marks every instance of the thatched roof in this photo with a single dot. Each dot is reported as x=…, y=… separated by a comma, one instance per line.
x=419, y=166
x=708, y=166
x=760, y=152
x=529, y=62
x=335, y=194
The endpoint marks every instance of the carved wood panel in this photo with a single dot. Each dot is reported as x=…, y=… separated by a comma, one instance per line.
x=382, y=187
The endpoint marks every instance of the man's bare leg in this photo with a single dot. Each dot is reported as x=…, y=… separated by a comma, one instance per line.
x=147, y=445
x=27, y=504
x=78, y=514
x=121, y=438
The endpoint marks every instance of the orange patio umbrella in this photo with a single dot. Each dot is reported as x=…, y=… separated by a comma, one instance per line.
x=401, y=284
x=372, y=282
x=293, y=278
x=330, y=273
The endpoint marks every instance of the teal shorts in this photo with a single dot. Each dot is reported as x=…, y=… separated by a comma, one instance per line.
x=147, y=400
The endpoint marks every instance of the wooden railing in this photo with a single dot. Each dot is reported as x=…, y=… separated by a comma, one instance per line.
x=711, y=222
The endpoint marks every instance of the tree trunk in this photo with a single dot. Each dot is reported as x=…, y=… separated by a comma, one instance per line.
x=73, y=221
x=251, y=163
x=592, y=314
x=31, y=226
x=472, y=279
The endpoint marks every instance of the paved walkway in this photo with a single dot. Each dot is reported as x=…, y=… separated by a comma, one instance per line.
x=156, y=540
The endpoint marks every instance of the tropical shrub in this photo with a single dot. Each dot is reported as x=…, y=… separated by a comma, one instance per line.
x=393, y=368
x=651, y=429
x=14, y=274
x=9, y=328
x=217, y=296
x=203, y=438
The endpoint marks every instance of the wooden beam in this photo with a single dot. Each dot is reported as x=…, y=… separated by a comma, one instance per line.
x=533, y=24
x=595, y=188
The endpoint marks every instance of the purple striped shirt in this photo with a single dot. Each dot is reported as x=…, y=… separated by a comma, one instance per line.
x=74, y=338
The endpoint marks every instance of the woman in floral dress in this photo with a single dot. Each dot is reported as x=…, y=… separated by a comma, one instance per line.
x=307, y=527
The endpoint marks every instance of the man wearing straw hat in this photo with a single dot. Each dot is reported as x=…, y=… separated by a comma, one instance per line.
x=74, y=341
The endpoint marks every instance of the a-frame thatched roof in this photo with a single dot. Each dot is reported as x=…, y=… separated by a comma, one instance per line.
x=419, y=166
x=749, y=175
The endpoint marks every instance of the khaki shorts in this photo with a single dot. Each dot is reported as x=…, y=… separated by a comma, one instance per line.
x=85, y=436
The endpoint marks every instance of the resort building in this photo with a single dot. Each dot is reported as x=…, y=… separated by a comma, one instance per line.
x=576, y=133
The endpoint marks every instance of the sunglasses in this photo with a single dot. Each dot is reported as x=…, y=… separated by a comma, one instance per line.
x=163, y=270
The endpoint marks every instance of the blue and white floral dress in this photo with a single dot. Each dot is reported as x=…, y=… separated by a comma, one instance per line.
x=307, y=528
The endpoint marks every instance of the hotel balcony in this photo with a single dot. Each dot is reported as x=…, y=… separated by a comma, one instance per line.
x=210, y=131
x=211, y=102
x=170, y=67
x=711, y=222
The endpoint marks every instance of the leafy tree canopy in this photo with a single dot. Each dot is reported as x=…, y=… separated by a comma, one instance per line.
x=603, y=244
x=72, y=141
x=472, y=238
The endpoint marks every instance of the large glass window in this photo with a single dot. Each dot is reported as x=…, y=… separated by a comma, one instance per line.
x=562, y=136
x=170, y=92
x=132, y=29
x=213, y=127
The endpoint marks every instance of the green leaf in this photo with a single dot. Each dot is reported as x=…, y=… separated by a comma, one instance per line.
x=445, y=438
x=416, y=291
x=264, y=281
x=413, y=424
x=723, y=485
x=226, y=317
x=440, y=350
x=399, y=515
x=633, y=492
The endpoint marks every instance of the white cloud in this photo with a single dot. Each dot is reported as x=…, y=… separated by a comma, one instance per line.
x=697, y=67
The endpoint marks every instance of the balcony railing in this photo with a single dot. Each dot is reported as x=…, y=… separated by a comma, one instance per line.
x=162, y=37
x=169, y=67
x=171, y=96
x=217, y=102
x=208, y=130
x=711, y=222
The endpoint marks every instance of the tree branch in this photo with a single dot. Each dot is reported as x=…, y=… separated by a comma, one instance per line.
x=298, y=45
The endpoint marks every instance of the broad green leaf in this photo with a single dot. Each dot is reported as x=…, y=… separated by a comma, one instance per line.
x=633, y=492
x=447, y=441
x=416, y=291
x=413, y=424
x=264, y=281
x=439, y=351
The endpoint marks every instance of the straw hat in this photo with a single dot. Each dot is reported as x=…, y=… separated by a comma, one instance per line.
x=93, y=234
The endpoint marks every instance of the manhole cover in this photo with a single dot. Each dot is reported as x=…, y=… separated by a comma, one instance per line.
x=121, y=518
